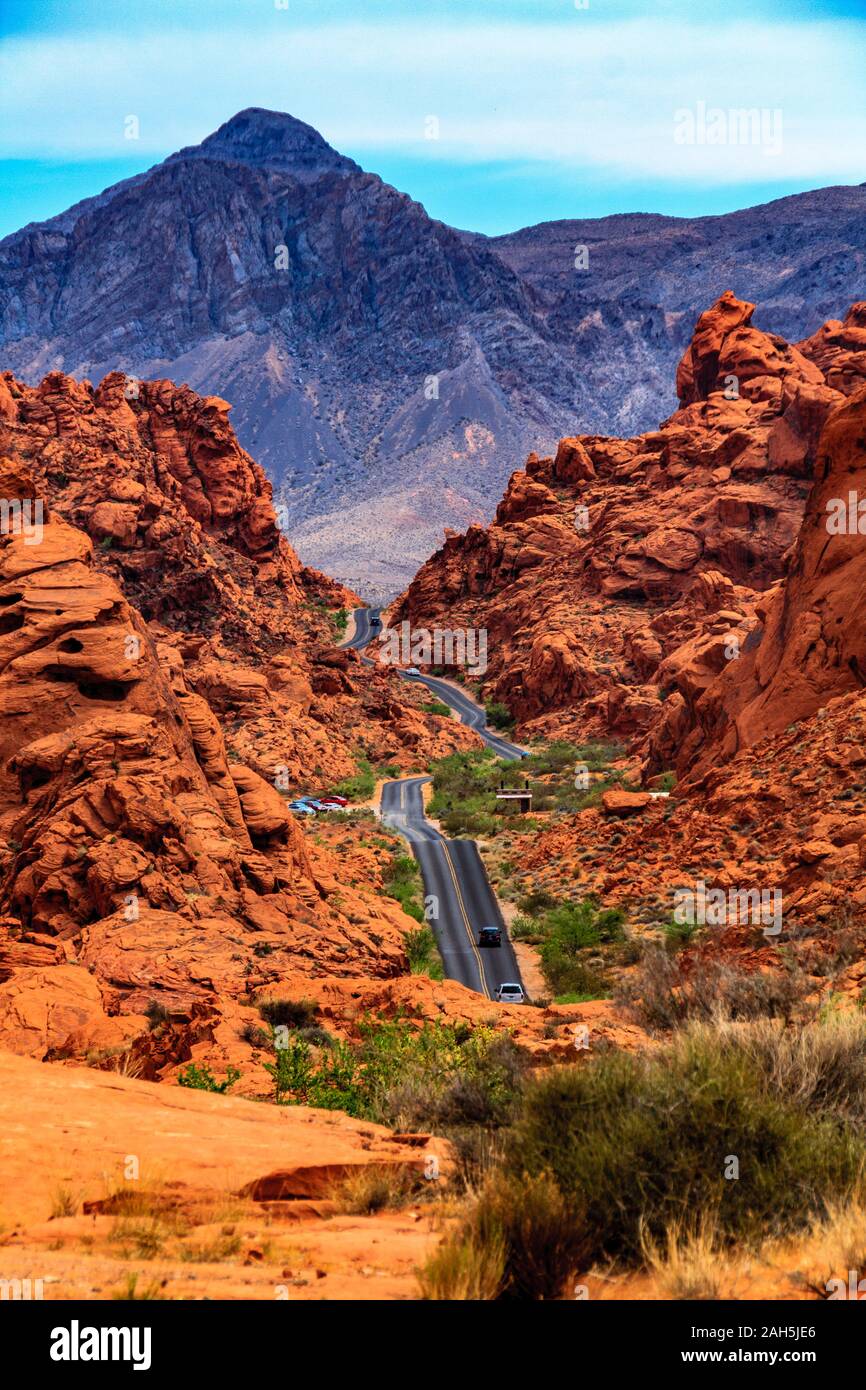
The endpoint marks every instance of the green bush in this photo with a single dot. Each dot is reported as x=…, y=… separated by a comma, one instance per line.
x=423, y=953
x=634, y=1143
x=405, y=1076
x=539, y=900
x=403, y=882
x=436, y=707
x=203, y=1079
x=567, y=932
x=362, y=785
x=499, y=716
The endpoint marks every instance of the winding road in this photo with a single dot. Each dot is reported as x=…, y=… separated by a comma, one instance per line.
x=452, y=870
x=367, y=627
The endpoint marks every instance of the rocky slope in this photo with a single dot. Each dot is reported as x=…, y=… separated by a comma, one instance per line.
x=708, y=617
x=167, y=678
x=228, y=1199
x=620, y=576
x=388, y=371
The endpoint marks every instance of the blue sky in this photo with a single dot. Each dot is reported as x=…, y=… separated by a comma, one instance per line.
x=544, y=109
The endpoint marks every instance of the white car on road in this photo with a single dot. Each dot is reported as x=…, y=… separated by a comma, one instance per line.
x=510, y=994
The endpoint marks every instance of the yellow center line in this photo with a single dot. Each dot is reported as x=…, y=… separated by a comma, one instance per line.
x=469, y=932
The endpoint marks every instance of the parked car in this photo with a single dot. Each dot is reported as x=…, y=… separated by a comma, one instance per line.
x=302, y=808
x=490, y=936
x=335, y=800
x=510, y=994
x=316, y=804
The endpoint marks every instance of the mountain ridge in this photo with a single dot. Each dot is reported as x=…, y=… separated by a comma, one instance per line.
x=393, y=366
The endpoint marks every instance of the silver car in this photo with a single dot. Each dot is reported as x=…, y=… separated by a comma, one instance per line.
x=510, y=994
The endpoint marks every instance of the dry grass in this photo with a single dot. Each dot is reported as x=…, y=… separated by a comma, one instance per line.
x=225, y=1246
x=687, y=1263
x=142, y=1239
x=464, y=1270
x=377, y=1187
x=64, y=1202
x=836, y=1247
x=119, y=1060
x=129, y=1290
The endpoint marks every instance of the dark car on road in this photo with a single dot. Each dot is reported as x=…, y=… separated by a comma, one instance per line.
x=490, y=936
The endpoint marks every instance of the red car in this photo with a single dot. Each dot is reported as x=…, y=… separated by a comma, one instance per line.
x=333, y=800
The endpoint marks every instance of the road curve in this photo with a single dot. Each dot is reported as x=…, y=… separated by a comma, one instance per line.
x=456, y=878
x=468, y=710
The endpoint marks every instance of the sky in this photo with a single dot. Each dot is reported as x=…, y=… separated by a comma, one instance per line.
x=494, y=114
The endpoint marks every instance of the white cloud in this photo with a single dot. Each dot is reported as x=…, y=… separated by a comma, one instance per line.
x=598, y=96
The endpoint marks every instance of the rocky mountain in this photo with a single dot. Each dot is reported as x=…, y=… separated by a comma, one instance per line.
x=387, y=371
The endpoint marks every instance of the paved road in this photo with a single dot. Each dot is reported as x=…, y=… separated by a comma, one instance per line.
x=454, y=874
x=368, y=627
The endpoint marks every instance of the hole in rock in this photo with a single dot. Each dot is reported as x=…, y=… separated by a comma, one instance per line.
x=102, y=690
x=34, y=777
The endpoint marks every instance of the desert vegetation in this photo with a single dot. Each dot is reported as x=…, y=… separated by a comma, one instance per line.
x=727, y=1138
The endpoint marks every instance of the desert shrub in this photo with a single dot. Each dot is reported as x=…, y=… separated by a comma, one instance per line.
x=202, y=1079
x=130, y=1291
x=822, y=1068
x=499, y=716
x=377, y=1187
x=406, y=1077
x=520, y=1234
x=403, y=882
x=568, y=931
x=316, y=1036
x=464, y=1269
x=538, y=900
x=680, y=934
x=524, y=929
x=423, y=954
x=361, y=786
x=664, y=991
x=634, y=1142
x=469, y=823
x=64, y=1202
x=256, y=1036
x=156, y=1014
x=288, y=1013
x=435, y=707
x=558, y=756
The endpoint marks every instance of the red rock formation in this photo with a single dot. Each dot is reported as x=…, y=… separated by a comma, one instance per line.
x=165, y=678
x=625, y=569
x=810, y=646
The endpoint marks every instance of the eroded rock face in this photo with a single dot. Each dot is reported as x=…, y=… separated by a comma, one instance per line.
x=709, y=615
x=620, y=576
x=181, y=519
x=811, y=646
x=166, y=680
